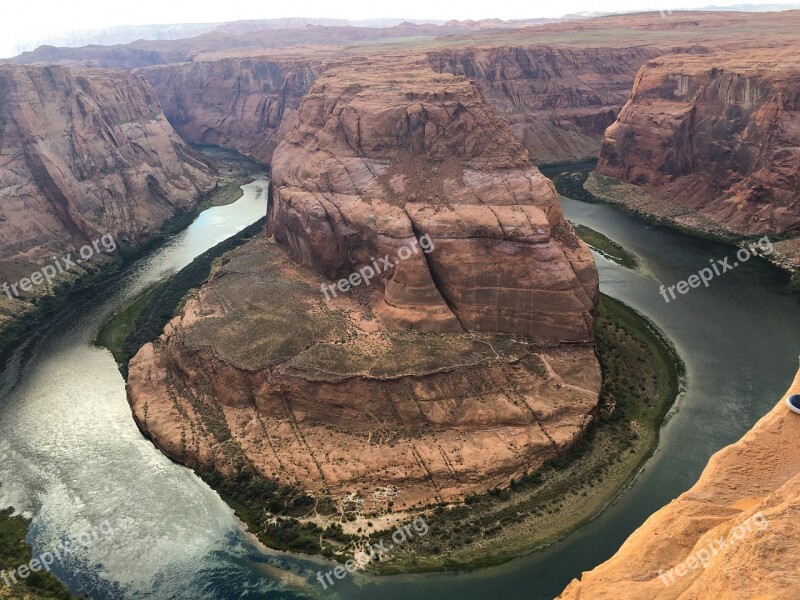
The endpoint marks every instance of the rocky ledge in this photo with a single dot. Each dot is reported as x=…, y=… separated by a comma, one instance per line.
x=710, y=142
x=451, y=372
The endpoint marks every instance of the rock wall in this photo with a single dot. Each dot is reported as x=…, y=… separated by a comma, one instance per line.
x=557, y=101
x=715, y=140
x=732, y=536
x=84, y=153
x=245, y=104
x=260, y=369
x=385, y=154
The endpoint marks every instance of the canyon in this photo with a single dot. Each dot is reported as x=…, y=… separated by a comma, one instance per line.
x=84, y=154
x=376, y=390
x=710, y=142
x=459, y=369
x=557, y=101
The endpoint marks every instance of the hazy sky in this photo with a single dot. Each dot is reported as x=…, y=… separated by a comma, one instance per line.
x=32, y=20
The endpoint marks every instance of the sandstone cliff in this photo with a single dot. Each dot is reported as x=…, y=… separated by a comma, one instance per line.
x=246, y=104
x=733, y=536
x=713, y=141
x=384, y=155
x=557, y=101
x=83, y=154
x=445, y=375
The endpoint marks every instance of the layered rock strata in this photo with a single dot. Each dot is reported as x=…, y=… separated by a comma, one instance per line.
x=450, y=372
x=557, y=101
x=246, y=104
x=86, y=153
x=384, y=156
x=711, y=142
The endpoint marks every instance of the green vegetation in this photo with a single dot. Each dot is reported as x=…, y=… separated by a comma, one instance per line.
x=795, y=283
x=271, y=510
x=144, y=320
x=117, y=329
x=642, y=376
x=14, y=553
x=605, y=246
x=554, y=170
x=570, y=184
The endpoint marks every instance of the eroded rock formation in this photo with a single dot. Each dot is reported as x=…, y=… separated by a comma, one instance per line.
x=733, y=536
x=83, y=154
x=451, y=372
x=383, y=156
x=259, y=369
x=246, y=104
x=557, y=101
x=712, y=141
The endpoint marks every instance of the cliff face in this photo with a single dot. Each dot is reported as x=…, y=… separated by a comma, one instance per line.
x=733, y=536
x=83, y=154
x=246, y=104
x=714, y=140
x=383, y=156
x=557, y=101
x=443, y=375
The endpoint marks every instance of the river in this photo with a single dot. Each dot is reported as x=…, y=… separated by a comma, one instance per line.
x=71, y=457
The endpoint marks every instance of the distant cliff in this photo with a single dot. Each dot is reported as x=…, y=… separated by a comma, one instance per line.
x=83, y=154
x=733, y=536
x=246, y=104
x=712, y=142
x=558, y=101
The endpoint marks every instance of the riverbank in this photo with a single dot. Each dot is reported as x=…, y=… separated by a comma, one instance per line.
x=14, y=553
x=642, y=376
x=585, y=185
x=144, y=319
x=21, y=316
x=605, y=246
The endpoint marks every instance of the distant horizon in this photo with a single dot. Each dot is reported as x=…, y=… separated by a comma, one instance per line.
x=30, y=26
